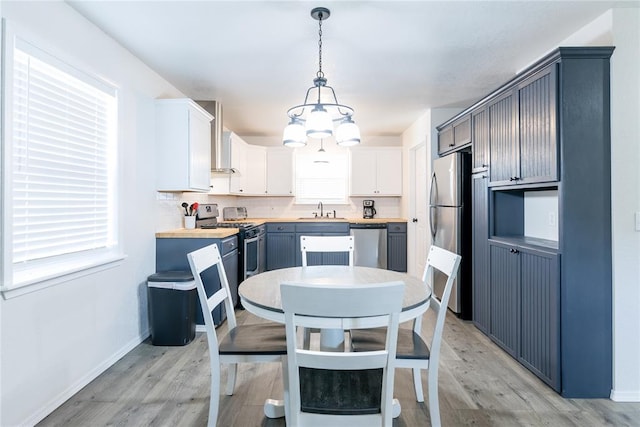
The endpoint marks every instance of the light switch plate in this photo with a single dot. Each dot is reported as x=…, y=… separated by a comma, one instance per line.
x=637, y=221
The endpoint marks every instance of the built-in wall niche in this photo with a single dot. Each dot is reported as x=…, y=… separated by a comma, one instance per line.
x=526, y=216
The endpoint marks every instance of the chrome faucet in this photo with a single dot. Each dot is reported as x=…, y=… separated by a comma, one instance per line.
x=321, y=209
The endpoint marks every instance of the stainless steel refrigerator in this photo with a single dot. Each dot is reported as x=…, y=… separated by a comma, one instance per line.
x=450, y=222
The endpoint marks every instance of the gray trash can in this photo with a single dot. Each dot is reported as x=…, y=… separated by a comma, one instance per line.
x=172, y=307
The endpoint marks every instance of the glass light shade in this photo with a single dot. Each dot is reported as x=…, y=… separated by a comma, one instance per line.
x=319, y=124
x=294, y=134
x=348, y=133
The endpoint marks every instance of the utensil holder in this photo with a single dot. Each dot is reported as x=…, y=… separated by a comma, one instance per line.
x=189, y=222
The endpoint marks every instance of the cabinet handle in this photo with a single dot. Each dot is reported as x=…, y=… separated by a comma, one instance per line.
x=452, y=144
x=414, y=220
x=514, y=251
x=280, y=228
x=514, y=178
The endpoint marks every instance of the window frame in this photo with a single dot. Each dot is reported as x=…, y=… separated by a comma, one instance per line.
x=332, y=154
x=15, y=281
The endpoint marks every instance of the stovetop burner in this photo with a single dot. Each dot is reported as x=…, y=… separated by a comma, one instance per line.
x=229, y=225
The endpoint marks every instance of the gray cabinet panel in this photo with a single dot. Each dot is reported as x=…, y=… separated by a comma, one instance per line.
x=540, y=316
x=480, y=254
x=397, y=251
x=281, y=250
x=538, y=139
x=505, y=297
x=504, y=156
x=455, y=136
x=480, y=123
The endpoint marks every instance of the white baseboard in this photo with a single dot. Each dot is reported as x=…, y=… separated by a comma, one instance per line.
x=625, y=396
x=82, y=382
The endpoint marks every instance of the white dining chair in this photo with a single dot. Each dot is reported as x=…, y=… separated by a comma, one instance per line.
x=326, y=244
x=313, y=399
x=412, y=350
x=246, y=343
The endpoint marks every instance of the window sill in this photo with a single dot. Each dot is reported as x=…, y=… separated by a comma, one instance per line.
x=23, y=284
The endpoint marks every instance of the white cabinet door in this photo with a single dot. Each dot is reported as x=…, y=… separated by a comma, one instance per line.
x=376, y=171
x=256, y=170
x=238, y=180
x=279, y=172
x=183, y=133
x=389, y=172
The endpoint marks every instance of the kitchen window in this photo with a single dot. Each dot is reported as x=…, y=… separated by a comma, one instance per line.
x=322, y=175
x=59, y=158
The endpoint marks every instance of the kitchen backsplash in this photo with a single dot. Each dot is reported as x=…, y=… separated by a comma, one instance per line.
x=169, y=215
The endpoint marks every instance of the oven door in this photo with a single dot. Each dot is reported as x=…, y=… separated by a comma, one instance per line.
x=251, y=256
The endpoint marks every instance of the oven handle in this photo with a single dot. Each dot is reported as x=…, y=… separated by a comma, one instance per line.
x=246, y=273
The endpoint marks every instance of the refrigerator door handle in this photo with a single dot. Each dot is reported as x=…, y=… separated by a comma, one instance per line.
x=433, y=215
x=433, y=190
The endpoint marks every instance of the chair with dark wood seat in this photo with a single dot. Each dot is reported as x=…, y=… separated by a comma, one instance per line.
x=324, y=244
x=247, y=343
x=328, y=388
x=412, y=350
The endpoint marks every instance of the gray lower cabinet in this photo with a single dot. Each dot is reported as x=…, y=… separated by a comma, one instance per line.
x=171, y=254
x=525, y=307
x=322, y=229
x=281, y=245
x=397, y=246
x=480, y=251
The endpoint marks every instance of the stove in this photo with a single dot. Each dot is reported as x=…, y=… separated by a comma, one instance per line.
x=244, y=225
x=251, y=237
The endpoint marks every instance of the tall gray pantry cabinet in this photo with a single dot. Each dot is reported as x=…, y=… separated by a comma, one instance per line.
x=546, y=302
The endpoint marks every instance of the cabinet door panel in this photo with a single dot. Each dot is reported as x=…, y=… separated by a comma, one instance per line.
x=397, y=252
x=363, y=172
x=480, y=248
x=389, y=172
x=538, y=147
x=445, y=140
x=281, y=250
x=503, y=141
x=480, y=148
x=540, y=319
x=505, y=301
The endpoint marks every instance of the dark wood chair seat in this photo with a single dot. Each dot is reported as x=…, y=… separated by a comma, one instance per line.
x=259, y=338
x=410, y=344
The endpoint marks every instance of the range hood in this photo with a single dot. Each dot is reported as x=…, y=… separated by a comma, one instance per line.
x=220, y=146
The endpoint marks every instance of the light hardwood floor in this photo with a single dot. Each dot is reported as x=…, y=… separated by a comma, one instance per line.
x=480, y=385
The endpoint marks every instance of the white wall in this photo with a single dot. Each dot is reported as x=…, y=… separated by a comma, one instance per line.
x=54, y=341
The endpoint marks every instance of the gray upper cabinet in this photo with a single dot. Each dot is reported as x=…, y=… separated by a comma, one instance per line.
x=523, y=132
x=455, y=135
x=503, y=146
x=480, y=132
x=537, y=126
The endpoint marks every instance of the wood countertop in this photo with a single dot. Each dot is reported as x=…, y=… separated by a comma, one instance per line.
x=221, y=233
x=348, y=220
x=198, y=233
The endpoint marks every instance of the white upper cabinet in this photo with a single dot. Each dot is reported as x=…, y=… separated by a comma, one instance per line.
x=279, y=171
x=376, y=171
x=250, y=164
x=238, y=180
x=183, y=135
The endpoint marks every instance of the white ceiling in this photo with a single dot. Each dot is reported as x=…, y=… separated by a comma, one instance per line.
x=389, y=60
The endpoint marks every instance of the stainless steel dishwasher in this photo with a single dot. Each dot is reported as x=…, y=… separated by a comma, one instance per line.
x=370, y=242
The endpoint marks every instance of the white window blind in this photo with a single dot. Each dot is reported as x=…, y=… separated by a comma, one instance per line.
x=62, y=163
x=322, y=176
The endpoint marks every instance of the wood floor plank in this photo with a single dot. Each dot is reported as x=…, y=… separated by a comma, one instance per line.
x=480, y=385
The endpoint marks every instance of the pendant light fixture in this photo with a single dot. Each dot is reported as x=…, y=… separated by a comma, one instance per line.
x=321, y=156
x=315, y=118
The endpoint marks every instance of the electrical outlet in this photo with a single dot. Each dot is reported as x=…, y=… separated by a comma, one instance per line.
x=552, y=219
x=637, y=221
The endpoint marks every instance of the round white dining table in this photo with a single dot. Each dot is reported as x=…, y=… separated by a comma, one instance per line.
x=260, y=295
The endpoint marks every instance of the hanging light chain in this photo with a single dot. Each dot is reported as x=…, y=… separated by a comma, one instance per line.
x=320, y=73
